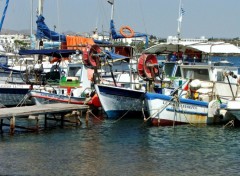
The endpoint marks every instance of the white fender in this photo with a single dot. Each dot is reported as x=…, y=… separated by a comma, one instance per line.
x=213, y=108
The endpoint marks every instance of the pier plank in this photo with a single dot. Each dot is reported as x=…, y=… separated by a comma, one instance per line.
x=40, y=109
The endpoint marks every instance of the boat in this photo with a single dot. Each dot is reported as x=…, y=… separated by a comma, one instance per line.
x=73, y=88
x=119, y=102
x=160, y=89
x=14, y=95
x=207, y=86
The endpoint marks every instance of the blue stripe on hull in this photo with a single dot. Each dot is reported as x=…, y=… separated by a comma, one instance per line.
x=121, y=92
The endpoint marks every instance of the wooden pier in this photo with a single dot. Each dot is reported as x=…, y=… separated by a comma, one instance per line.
x=22, y=112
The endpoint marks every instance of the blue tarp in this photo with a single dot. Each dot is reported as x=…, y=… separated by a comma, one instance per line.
x=43, y=32
x=48, y=52
x=115, y=56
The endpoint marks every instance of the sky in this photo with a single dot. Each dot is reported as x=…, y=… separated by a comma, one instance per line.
x=209, y=18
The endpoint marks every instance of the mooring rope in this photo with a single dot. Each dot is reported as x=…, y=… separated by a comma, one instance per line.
x=23, y=100
x=89, y=111
x=230, y=123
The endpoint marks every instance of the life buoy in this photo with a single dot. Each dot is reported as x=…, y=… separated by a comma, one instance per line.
x=129, y=29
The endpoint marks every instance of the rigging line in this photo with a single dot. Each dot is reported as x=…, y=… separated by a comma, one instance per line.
x=141, y=9
x=58, y=16
x=97, y=13
x=102, y=10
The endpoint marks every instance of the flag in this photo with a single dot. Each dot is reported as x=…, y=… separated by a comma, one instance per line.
x=110, y=2
x=182, y=12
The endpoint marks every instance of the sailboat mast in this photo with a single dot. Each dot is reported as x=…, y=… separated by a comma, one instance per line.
x=31, y=28
x=112, y=11
x=40, y=7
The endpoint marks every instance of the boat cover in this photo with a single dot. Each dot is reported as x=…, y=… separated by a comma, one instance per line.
x=48, y=52
x=43, y=32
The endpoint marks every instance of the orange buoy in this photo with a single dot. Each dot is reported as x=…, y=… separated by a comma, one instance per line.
x=129, y=33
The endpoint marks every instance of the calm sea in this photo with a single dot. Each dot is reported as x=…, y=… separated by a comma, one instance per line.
x=124, y=147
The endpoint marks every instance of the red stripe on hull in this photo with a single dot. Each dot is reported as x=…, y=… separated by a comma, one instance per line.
x=164, y=122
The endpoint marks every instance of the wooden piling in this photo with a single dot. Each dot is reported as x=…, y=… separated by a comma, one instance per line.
x=1, y=126
x=87, y=117
x=12, y=125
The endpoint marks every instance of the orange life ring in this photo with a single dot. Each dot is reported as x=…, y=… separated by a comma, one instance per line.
x=127, y=35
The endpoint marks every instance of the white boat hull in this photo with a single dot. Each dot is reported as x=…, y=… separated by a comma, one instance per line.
x=164, y=111
x=118, y=102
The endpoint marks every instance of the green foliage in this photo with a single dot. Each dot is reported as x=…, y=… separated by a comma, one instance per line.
x=20, y=44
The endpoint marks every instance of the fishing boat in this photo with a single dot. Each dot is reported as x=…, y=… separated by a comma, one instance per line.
x=119, y=102
x=73, y=88
x=208, y=85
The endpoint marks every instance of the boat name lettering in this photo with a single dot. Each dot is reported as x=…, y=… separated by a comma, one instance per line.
x=48, y=95
x=185, y=106
x=188, y=106
x=11, y=86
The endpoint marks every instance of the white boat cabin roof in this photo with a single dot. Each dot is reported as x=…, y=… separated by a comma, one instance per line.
x=206, y=47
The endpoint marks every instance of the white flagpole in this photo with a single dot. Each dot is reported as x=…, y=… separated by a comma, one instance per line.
x=179, y=19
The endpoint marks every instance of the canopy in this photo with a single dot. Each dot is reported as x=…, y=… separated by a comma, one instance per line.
x=207, y=48
x=217, y=48
x=115, y=56
x=49, y=52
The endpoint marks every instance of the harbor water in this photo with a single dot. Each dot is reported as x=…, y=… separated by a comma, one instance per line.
x=124, y=147
x=127, y=147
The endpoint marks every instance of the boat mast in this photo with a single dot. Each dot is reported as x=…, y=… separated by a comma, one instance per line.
x=31, y=28
x=112, y=4
x=39, y=43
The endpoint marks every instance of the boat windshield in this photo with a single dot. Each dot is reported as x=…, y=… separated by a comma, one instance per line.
x=74, y=71
x=201, y=74
x=172, y=70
